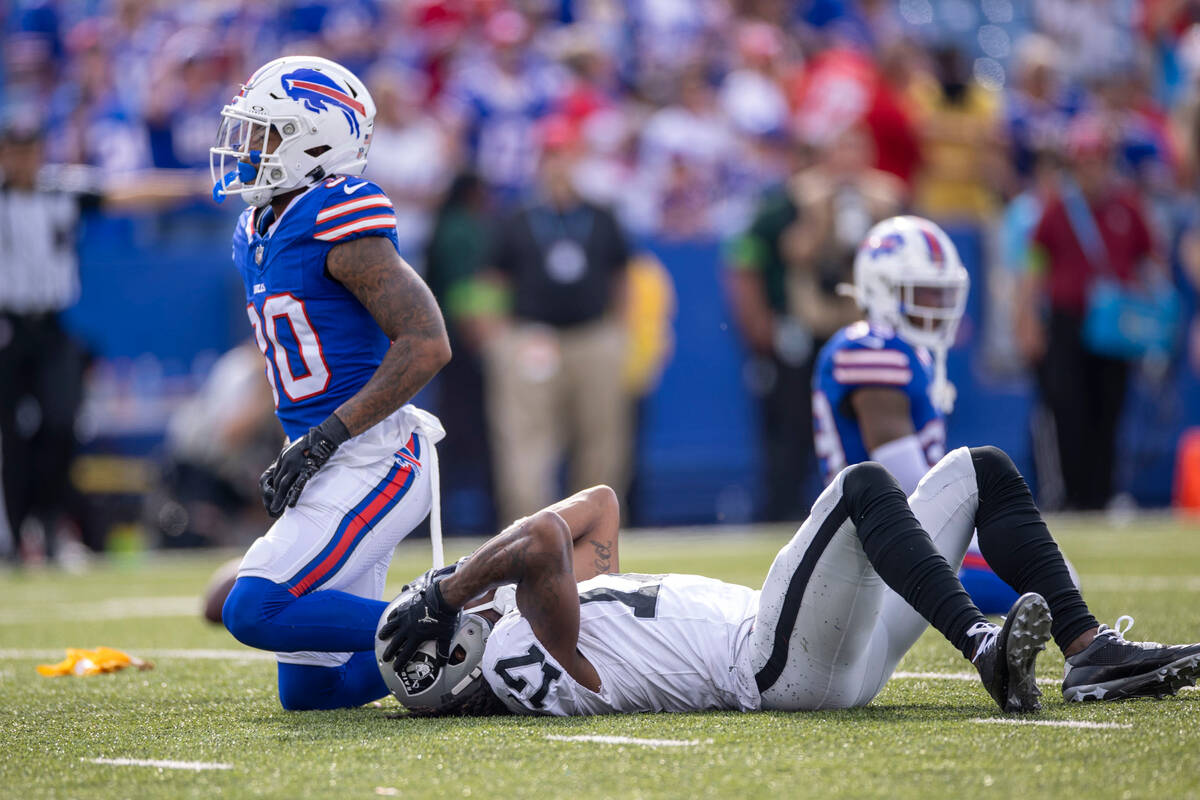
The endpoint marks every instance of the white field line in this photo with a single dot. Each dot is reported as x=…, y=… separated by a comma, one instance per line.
x=195, y=766
x=205, y=655
x=114, y=608
x=1052, y=723
x=628, y=740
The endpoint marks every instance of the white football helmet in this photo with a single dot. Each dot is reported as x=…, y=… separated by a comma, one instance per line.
x=908, y=277
x=321, y=116
x=428, y=685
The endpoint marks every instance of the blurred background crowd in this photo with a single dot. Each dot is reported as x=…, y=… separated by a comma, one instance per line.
x=732, y=152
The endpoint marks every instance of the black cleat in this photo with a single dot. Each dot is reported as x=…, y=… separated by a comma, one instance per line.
x=1007, y=655
x=1111, y=668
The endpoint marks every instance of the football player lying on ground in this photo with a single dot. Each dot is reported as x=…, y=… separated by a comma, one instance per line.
x=816, y=637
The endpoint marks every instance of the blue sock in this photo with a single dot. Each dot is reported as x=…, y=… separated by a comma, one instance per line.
x=264, y=614
x=304, y=688
x=992, y=595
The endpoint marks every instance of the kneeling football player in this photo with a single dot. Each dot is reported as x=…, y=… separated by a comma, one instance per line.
x=350, y=334
x=814, y=637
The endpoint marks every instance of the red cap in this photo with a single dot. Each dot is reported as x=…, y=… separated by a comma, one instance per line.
x=506, y=27
x=558, y=132
x=1088, y=137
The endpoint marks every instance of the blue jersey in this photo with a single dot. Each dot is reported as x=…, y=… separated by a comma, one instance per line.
x=862, y=355
x=321, y=344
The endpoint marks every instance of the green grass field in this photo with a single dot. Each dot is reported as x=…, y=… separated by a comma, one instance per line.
x=931, y=733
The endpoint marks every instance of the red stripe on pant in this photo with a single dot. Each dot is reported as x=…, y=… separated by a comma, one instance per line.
x=975, y=561
x=360, y=521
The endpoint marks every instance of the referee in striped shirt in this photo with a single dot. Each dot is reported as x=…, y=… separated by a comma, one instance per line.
x=41, y=365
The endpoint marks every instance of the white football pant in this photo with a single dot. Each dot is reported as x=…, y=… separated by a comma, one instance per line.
x=843, y=629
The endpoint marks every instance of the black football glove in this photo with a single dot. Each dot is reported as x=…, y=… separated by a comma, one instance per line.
x=283, y=481
x=424, y=615
x=421, y=582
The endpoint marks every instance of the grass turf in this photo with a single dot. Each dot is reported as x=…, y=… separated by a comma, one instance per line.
x=921, y=738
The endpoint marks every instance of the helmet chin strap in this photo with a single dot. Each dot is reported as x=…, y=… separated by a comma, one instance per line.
x=942, y=392
x=503, y=600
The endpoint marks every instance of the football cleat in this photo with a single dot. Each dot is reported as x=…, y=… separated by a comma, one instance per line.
x=1111, y=668
x=1007, y=654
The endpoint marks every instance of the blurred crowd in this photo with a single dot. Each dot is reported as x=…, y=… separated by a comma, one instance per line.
x=687, y=111
x=781, y=129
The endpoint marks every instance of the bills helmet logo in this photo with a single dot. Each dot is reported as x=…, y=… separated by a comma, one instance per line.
x=885, y=245
x=318, y=92
x=936, y=254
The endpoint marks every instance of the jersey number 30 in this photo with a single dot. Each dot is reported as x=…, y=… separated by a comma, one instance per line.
x=304, y=348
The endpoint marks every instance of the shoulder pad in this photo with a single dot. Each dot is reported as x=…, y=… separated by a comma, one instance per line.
x=352, y=207
x=862, y=356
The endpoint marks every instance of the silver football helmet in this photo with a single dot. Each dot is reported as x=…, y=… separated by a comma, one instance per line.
x=430, y=686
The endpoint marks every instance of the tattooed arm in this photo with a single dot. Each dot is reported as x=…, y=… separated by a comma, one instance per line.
x=405, y=309
x=545, y=554
x=594, y=518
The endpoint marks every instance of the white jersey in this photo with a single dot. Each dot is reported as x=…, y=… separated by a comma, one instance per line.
x=658, y=643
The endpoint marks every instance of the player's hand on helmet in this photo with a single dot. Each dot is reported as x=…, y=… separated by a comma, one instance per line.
x=421, y=582
x=424, y=615
x=285, y=479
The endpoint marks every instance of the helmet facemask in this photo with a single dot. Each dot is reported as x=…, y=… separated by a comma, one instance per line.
x=248, y=159
x=928, y=312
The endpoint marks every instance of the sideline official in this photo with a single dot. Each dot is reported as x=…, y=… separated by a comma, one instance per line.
x=554, y=361
x=41, y=365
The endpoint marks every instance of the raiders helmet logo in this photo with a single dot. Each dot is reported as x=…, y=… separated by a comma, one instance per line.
x=419, y=674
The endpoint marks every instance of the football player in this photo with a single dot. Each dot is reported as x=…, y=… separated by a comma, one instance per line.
x=350, y=333
x=814, y=637
x=880, y=391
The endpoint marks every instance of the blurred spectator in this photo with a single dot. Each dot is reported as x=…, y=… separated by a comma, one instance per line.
x=495, y=101
x=93, y=122
x=1017, y=225
x=686, y=162
x=41, y=365
x=842, y=88
x=592, y=101
x=1039, y=104
x=1095, y=37
x=216, y=444
x=751, y=95
x=1089, y=229
x=553, y=365
x=839, y=198
x=965, y=171
x=412, y=156
x=781, y=351
x=457, y=251
x=1144, y=145
x=187, y=89
x=783, y=288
